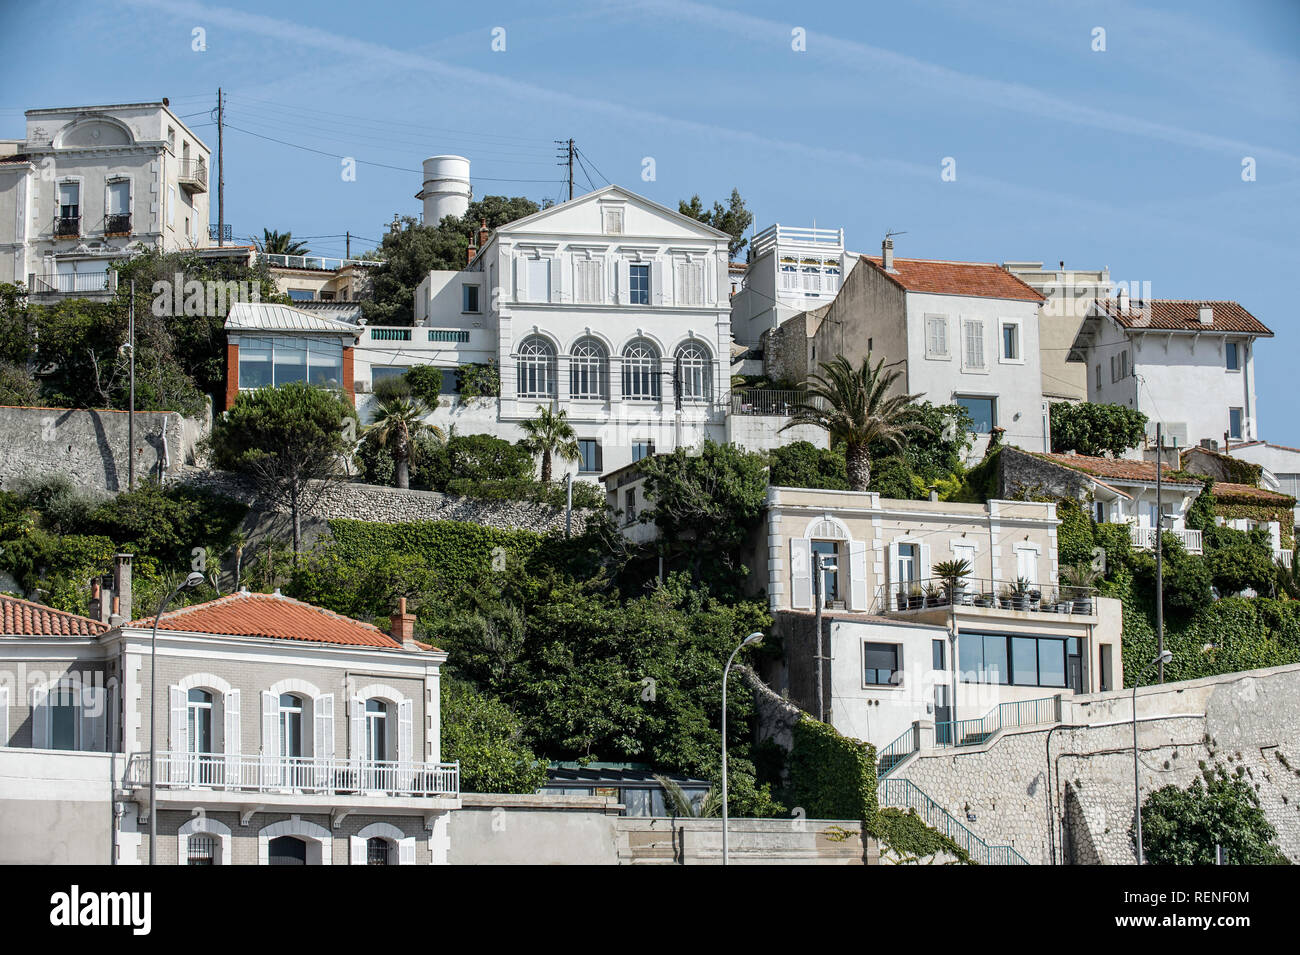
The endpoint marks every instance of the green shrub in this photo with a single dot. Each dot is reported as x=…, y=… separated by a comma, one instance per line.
x=832, y=776
x=803, y=464
x=425, y=383
x=909, y=837
x=478, y=380
x=486, y=738
x=1184, y=826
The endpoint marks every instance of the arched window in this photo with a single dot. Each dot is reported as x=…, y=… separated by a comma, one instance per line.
x=694, y=371
x=641, y=371
x=287, y=850
x=589, y=370
x=376, y=730
x=290, y=725
x=536, y=369
x=378, y=851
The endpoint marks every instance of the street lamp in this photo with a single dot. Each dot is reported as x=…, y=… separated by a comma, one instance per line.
x=1163, y=657
x=191, y=581
x=820, y=568
x=753, y=638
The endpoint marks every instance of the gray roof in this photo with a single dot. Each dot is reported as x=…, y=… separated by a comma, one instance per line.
x=271, y=317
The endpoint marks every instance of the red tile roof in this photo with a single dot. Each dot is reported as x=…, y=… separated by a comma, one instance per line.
x=977, y=279
x=272, y=615
x=1227, y=491
x=1117, y=468
x=27, y=619
x=1184, y=316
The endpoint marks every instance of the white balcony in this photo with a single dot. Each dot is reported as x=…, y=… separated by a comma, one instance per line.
x=300, y=775
x=1144, y=538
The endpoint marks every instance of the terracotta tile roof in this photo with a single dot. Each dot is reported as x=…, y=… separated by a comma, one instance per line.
x=1180, y=315
x=27, y=619
x=977, y=279
x=272, y=615
x=1117, y=469
x=1227, y=491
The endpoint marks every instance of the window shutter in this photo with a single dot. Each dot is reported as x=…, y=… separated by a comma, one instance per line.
x=92, y=719
x=270, y=724
x=559, y=279
x=4, y=716
x=858, y=575
x=358, y=728
x=406, y=851
x=657, y=282
x=233, y=743
x=923, y=572
x=599, y=464
x=891, y=573
x=323, y=741
x=180, y=729
x=358, y=846
x=801, y=596
x=405, y=731
x=624, y=282
x=40, y=718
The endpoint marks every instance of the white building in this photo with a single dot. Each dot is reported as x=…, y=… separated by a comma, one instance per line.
x=88, y=185
x=790, y=270
x=1187, y=364
x=960, y=332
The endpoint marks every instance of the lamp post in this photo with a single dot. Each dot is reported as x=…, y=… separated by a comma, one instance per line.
x=193, y=580
x=748, y=641
x=820, y=567
x=1163, y=657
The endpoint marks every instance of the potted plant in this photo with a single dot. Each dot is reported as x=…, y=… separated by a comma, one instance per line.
x=984, y=600
x=1080, y=579
x=914, y=597
x=953, y=574
x=1020, y=594
x=935, y=596
x=1005, y=596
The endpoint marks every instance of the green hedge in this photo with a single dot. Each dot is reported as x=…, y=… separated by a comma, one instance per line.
x=832, y=776
x=586, y=496
x=458, y=551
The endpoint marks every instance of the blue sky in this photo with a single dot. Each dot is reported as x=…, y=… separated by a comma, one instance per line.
x=1129, y=158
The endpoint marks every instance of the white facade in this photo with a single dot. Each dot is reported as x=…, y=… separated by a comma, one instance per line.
x=790, y=270
x=89, y=185
x=1068, y=294
x=1197, y=379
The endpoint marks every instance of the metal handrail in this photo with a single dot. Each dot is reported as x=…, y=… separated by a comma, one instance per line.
x=973, y=732
x=194, y=170
x=778, y=234
x=769, y=401
x=1144, y=538
x=905, y=794
x=932, y=592
x=72, y=282
x=893, y=755
x=303, y=774
x=320, y=262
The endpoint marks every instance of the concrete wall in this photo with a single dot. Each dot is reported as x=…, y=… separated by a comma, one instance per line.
x=1016, y=784
x=56, y=808
x=90, y=446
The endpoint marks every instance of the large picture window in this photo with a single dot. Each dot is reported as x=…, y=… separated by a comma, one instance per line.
x=271, y=362
x=1019, y=660
x=536, y=369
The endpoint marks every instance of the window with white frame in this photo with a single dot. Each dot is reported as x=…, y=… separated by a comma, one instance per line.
x=198, y=712
x=117, y=208
x=377, y=713
x=936, y=337
x=789, y=275
x=973, y=345
x=639, y=284
x=881, y=664
x=641, y=371
x=694, y=372
x=1011, y=342
x=589, y=458
x=378, y=851
x=69, y=200
x=469, y=299
x=290, y=720
x=1235, y=419
x=589, y=370
x=812, y=278
x=536, y=369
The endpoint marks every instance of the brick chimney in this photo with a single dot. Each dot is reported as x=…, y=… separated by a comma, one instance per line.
x=95, y=610
x=469, y=253
x=482, y=233
x=403, y=625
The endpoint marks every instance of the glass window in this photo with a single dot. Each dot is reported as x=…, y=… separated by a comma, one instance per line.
x=1233, y=356
x=469, y=294
x=642, y=449
x=983, y=412
x=377, y=851
x=536, y=369
x=589, y=370
x=588, y=455
x=69, y=200
x=325, y=363
x=880, y=662
x=380, y=373
x=1024, y=661
x=302, y=295
x=200, y=721
x=64, y=702
x=641, y=371
x=1051, y=663
x=1234, y=423
x=995, y=660
x=828, y=550
x=286, y=850
x=290, y=360
x=1034, y=661
x=255, y=363
x=119, y=197
x=693, y=372
x=376, y=730
x=937, y=654
x=290, y=725
x=1011, y=341
x=639, y=284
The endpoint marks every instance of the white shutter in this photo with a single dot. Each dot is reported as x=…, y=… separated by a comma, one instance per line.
x=4, y=716
x=923, y=572
x=358, y=854
x=974, y=343
x=323, y=740
x=406, y=851
x=92, y=718
x=657, y=282
x=858, y=576
x=624, y=282
x=40, y=718
x=270, y=724
x=560, y=280
x=180, y=736
x=233, y=743
x=891, y=574
x=405, y=738
x=801, y=597
x=358, y=728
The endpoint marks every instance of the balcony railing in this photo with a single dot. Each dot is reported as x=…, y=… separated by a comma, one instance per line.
x=119, y=224
x=67, y=227
x=72, y=283
x=904, y=794
x=193, y=175
x=291, y=774
x=780, y=235
x=318, y=262
x=932, y=593
x=767, y=401
x=1144, y=538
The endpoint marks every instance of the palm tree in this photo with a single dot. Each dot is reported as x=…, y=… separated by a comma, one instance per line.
x=280, y=243
x=709, y=805
x=853, y=406
x=550, y=434
x=952, y=573
x=399, y=420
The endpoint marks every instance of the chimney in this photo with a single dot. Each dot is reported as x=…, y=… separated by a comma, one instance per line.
x=482, y=233
x=96, y=599
x=469, y=253
x=1121, y=297
x=887, y=254
x=1205, y=314
x=403, y=625
x=115, y=618
x=122, y=586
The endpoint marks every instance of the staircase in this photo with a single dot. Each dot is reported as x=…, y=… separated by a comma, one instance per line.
x=904, y=794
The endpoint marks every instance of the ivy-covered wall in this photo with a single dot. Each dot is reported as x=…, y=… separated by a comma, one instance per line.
x=832, y=776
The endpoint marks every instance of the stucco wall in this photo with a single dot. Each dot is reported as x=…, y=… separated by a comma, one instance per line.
x=56, y=808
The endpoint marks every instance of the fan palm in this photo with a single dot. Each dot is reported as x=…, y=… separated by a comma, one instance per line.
x=854, y=407
x=399, y=420
x=952, y=573
x=280, y=243
x=550, y=434
x=682, y=805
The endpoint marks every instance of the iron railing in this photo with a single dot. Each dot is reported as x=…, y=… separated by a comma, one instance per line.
x=933, y=592
x=72, y=283
x=768, y=401
x=117, y=224
x=957, y=733
x=193, y=172
x=67, y=226
x=296, y=774
x=904, y=794
x=1144, y=538
x=218, y=234
x=318, y=262
x=897, y=751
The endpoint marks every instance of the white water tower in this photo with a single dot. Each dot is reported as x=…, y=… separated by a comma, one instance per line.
x=446, y=189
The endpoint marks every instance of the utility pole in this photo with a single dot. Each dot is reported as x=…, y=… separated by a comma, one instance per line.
x=567, y=150
x=1160, y=578
x=130, y=415
x=221, y=171
x=347, y=254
